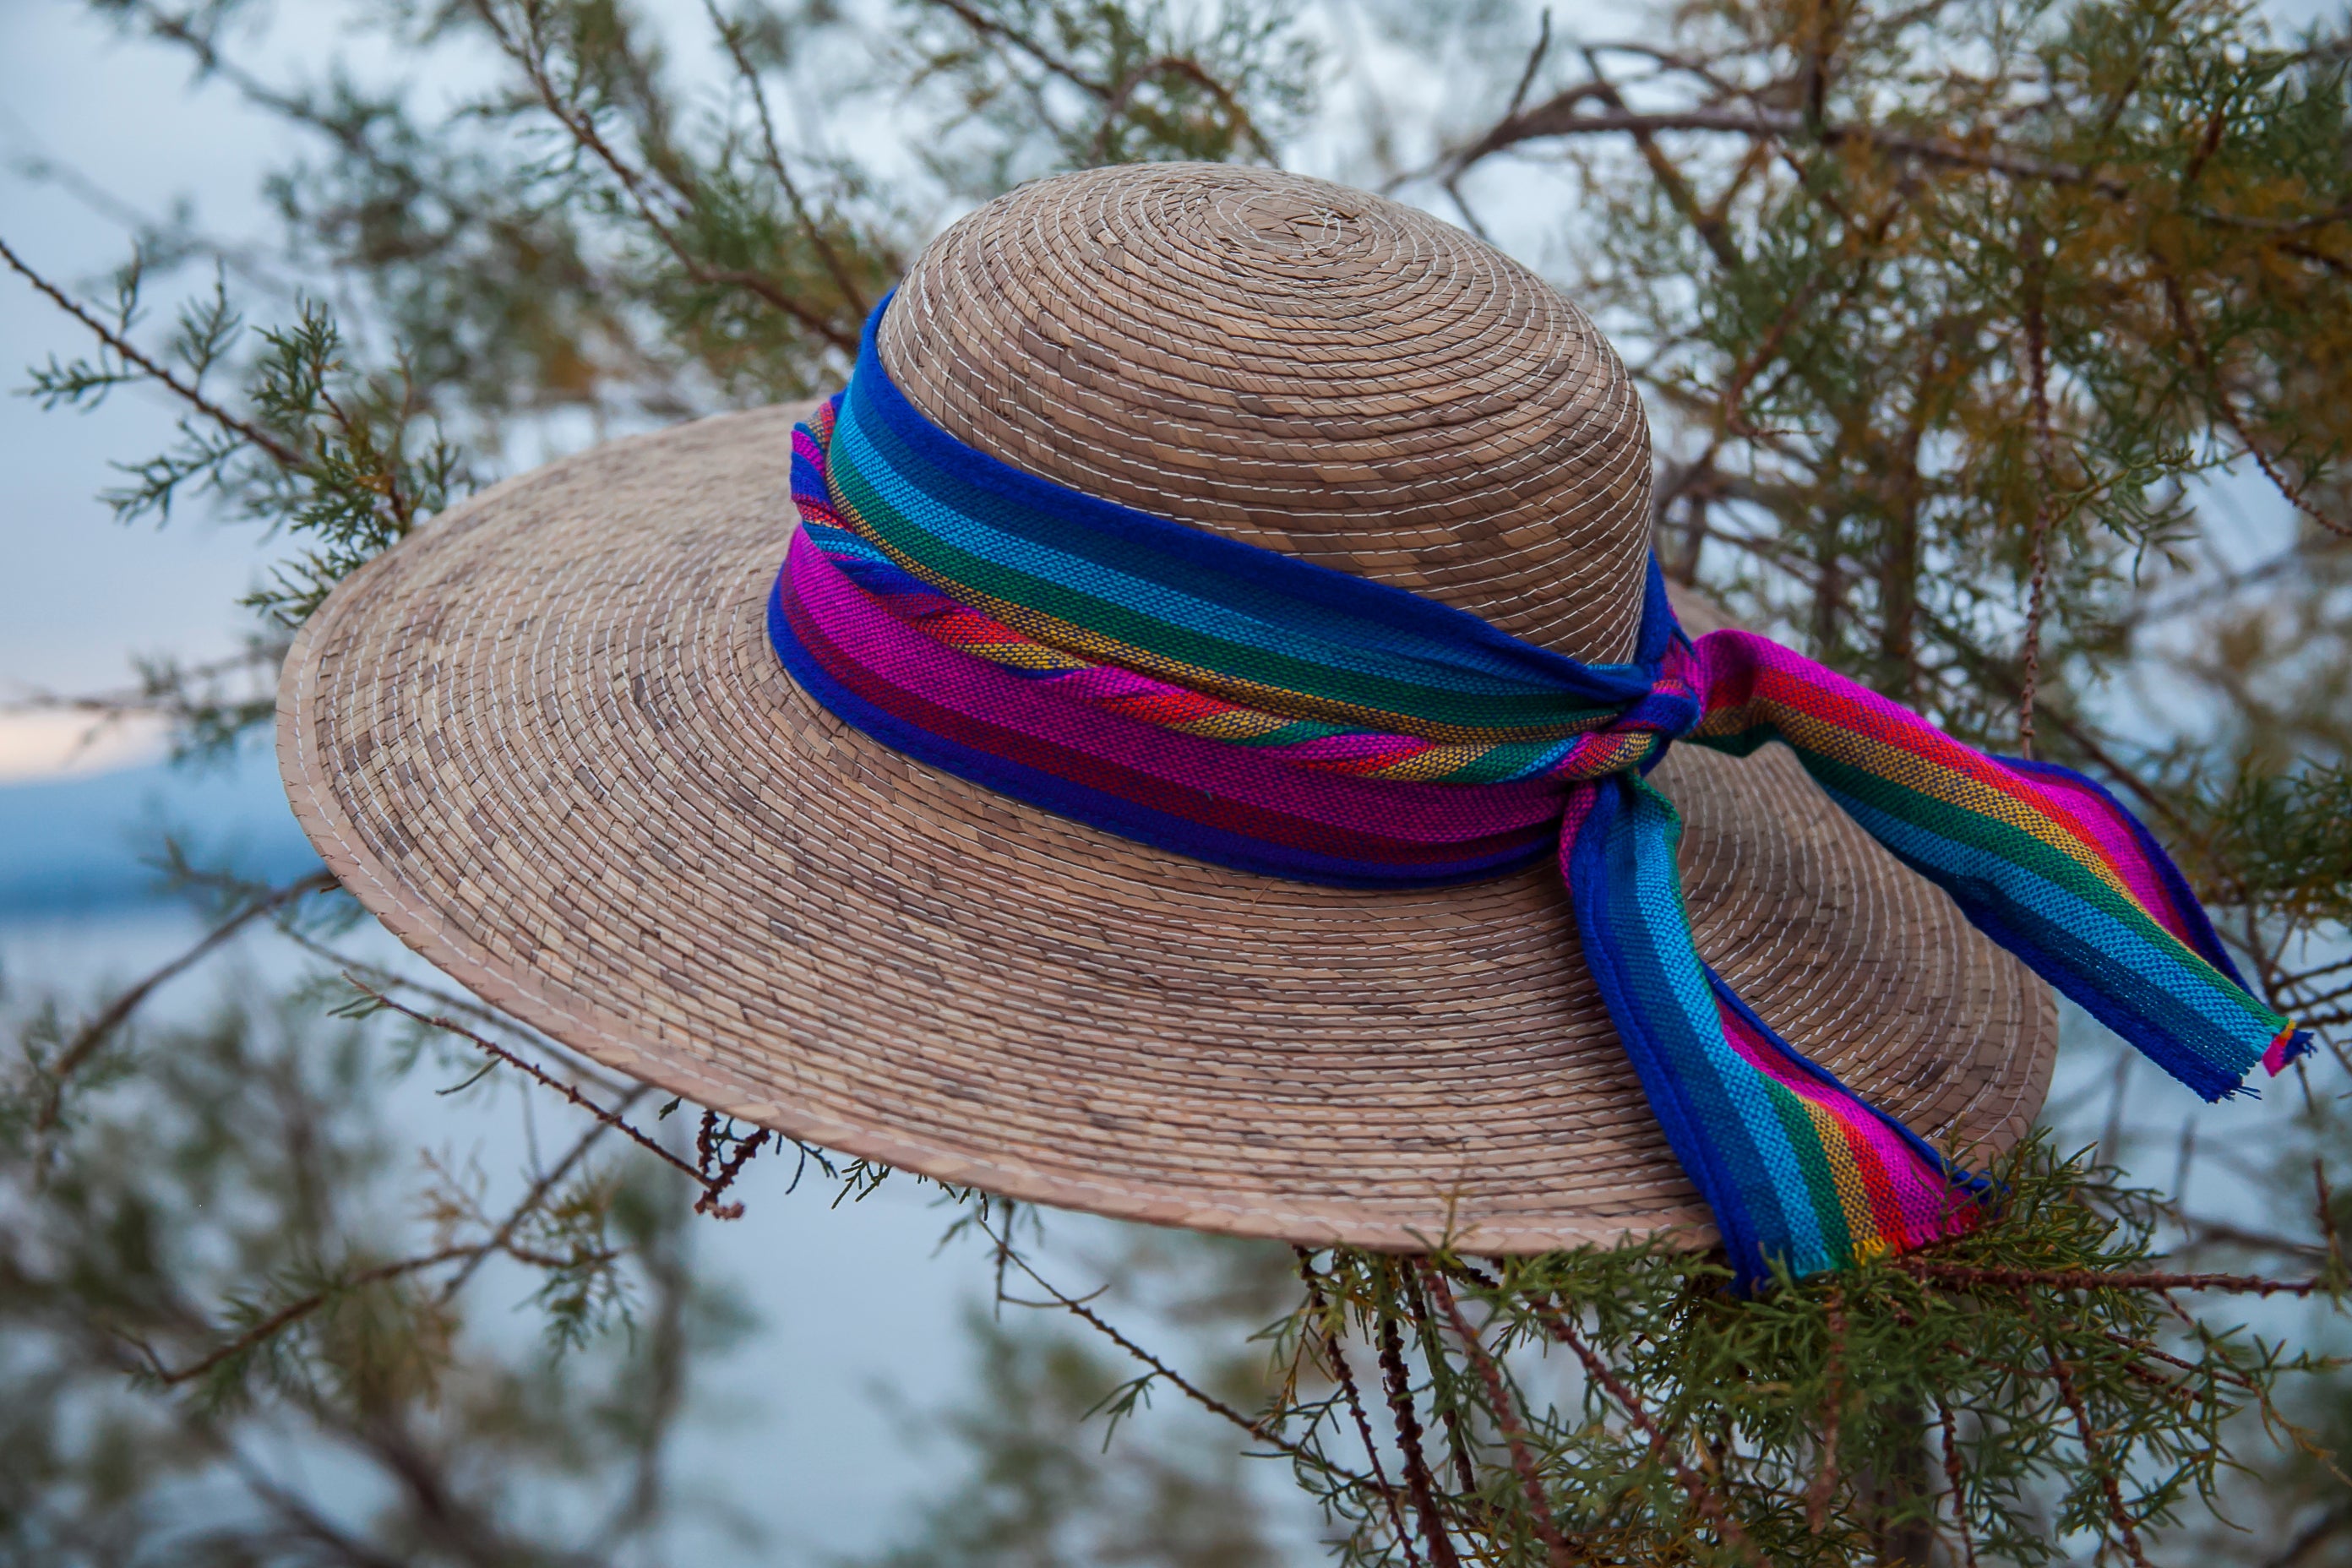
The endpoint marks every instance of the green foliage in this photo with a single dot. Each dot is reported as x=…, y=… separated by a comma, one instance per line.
x=1060, y=84
x=1998, y=281
x=206, y=1266
x=2288, y=838
x=1046, y=1491
x=1958, y=320
x=319, y=452
x=2021, y=1367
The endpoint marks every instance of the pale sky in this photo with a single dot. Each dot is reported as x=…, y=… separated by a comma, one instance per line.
x=79, y=594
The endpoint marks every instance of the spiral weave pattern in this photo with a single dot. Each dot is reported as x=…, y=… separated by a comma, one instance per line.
x=1263, y=712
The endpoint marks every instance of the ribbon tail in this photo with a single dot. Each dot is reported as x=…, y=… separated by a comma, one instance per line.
x=2165, y=895
x=2041, y=858
x=1799, y=1171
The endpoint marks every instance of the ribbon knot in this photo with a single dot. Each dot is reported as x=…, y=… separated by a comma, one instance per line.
x=1638, y=739
x=1251, y=709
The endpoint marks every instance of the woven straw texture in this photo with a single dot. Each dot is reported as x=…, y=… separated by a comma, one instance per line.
x=548, y=743
x=1305, y=367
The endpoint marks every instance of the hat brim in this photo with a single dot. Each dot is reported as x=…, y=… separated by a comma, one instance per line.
x=547, y=742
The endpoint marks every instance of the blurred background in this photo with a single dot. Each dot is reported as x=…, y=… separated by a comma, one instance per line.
x=842, y=1384
x=854, y=1384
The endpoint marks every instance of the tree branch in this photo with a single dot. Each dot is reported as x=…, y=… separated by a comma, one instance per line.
x=1115, y=104
x=2094, y=1455
x=1693, y=1485
x=1258, y=1428
x=530, y=56
x=1344, y=1375
x=823, y=247
x=1498, y=1401
x=2096, y=1279
x=92, y=1035
x=1560, y=116
x=295, y=1311
x=530, y=1069
x=244, y=430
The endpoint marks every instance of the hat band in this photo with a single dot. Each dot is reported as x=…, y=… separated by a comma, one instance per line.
x=1257, y=711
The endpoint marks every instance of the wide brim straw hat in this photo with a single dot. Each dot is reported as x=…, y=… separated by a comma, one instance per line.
x=548, y=743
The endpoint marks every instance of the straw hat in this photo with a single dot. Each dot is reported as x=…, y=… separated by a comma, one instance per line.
x=547, y=742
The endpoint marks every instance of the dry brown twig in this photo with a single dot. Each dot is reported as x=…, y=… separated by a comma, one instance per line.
x=1499, y=1403
x=711, y=1185
x=1418, y=1479
x=2094, y=1280
x=1344, y=1375
x=718, y=1175
x=1009, y=1256
x=95, y=1033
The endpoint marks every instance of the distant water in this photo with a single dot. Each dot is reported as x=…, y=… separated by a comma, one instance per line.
x=850, y=1301
x=78, y=846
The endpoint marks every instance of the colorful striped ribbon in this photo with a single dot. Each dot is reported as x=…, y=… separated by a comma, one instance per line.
x=1255, y=711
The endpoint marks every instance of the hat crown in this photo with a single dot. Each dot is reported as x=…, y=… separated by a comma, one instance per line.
x=1302, y=366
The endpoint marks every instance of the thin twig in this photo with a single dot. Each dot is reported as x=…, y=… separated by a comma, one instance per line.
x=164, y=682
x=2218, y=1373
x=529, y=1068
x=1695, y=1486
x=1499, y=1400
x=2298, y=1550
x=717, y=1184
x=1535, y=63
x=989, y=28
x=1560, y=116
x=2037, y=362
x=1731, y=420
x=1823, y=1486
x=730, y=36
x=1260, y=1428
x=1191, y=70
x=530, y=57
x=465, y=1008
x=1956, y=1479
x=285, y=457
x=1417, y=1478
x=2096, y=1279
x=1441, y=1392
x=92, y=1035
x=2177, y=301
x=530, y=1202
x=1346, y=1375
x=1669, y=179
x=2093, y=1456
x=296, y=1310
